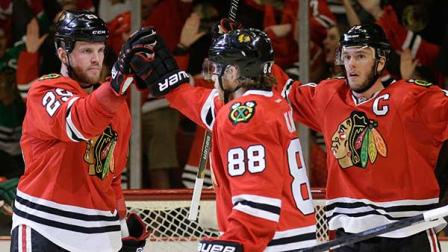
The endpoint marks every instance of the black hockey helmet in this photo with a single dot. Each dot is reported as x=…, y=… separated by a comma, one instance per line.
x=81, y=25
x=249, y=49
x=371, y=35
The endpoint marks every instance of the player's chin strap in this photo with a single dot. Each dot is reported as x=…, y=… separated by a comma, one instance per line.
x=227, y=93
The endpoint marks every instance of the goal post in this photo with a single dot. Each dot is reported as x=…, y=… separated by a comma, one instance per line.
x=166, y=214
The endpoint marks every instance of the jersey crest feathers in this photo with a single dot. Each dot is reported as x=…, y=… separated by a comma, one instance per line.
x=242, y=113
x=356, y=141
x=99, y=153
x=49, y=76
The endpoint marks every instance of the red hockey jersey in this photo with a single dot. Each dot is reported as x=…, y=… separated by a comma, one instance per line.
x=262, y=191
x=75, y=148
x=381, y=153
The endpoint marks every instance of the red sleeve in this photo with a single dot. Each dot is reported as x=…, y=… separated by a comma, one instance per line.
x=197, y=103
x=62, y=110
x=424, y=99
x=400, y=38
x=27, y=71
x=302, y=98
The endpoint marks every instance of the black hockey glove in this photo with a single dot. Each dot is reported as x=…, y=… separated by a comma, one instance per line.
x=141, y=41
x=219, y=246
x=138, y=233
x=159, y=72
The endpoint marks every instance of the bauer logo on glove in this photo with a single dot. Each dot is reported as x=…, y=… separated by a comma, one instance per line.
x=172, y=80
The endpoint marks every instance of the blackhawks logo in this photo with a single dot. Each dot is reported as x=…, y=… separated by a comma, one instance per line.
x=242, y=112
x=99, y=153
x=356, y=141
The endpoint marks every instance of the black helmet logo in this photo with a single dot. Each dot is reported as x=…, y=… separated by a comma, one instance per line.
x=244, y=38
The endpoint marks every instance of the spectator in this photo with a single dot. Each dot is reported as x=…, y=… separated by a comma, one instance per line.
x=12, y=112
x=402, y=38
x=159, y=122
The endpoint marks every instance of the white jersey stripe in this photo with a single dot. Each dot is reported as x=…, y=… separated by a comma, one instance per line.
x=257, y=199
x=208, y=109
x=70, y=126
x=258, y=206
x=294, y=232
x=29, y=244
x=75, y=209
x=386, y=203
x=257, y=212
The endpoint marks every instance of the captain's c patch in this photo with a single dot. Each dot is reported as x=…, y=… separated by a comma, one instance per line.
x=242, y=112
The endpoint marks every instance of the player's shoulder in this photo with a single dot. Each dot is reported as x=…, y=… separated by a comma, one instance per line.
x=413, y=87
x=334, y=81
x=53, y=80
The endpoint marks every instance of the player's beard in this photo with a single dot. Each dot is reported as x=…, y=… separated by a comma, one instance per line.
x=85, y=77
x=368, y=82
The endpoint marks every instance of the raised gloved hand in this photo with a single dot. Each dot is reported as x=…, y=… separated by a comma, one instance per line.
x=219, y=246
x=159, y=72
x=138, y=233
x=142, y=42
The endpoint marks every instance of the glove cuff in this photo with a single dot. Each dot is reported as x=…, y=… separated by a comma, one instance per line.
x=169, y=82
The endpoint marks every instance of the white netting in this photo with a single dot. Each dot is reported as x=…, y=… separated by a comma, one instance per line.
x=166, y=211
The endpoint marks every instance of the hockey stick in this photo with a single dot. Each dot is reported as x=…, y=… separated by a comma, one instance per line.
x=369, y=233
x=199, y=181
x=206, y=145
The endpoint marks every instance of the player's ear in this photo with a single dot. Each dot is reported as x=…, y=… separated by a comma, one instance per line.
x=381, y=64
x=62, y=55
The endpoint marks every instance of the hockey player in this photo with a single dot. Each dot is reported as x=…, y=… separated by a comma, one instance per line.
x=262, y=190
x=382, y=144
x=75, y=144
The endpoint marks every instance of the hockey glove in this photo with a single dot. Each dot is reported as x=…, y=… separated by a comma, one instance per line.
x=160, y=73
x=219, y=246
x=141, y=41
x=138, y=233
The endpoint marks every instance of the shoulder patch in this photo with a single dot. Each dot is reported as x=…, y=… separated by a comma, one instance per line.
x=422, y=83
x=49, y=76
x=242, y=112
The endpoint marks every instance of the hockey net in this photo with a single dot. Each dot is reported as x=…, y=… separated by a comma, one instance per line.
x=166, y=211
